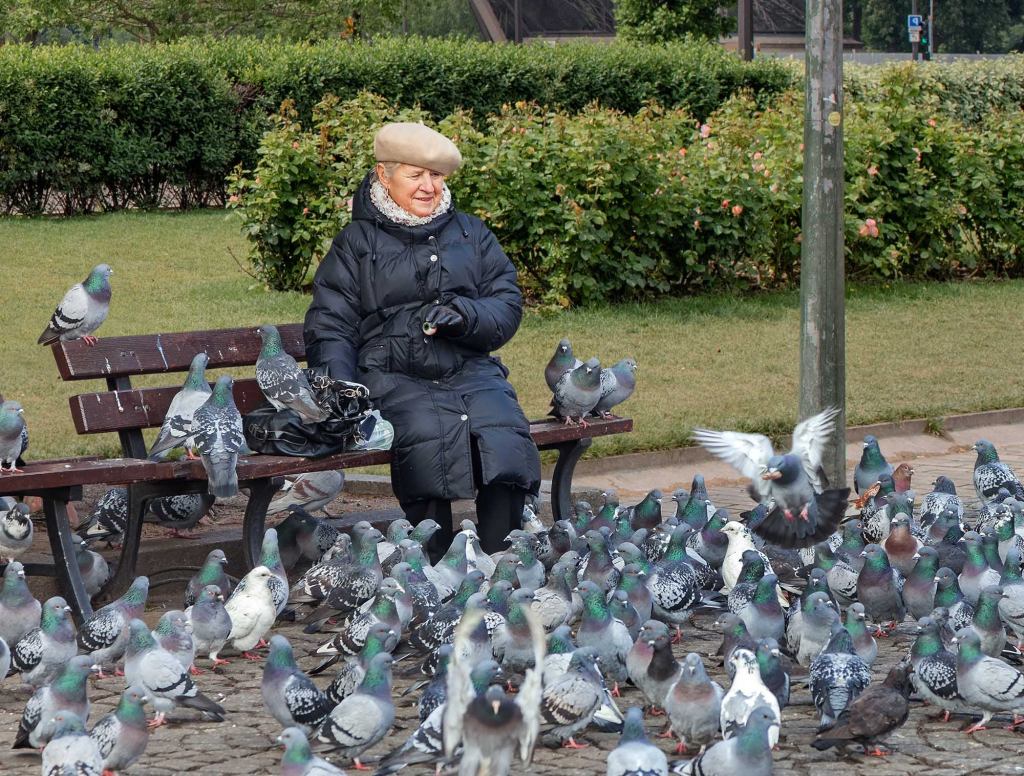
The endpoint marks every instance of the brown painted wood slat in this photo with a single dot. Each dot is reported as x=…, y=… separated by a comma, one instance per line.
x=62, y=474
x=167, y=352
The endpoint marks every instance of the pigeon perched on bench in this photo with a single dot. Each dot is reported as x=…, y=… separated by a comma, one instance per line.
x=176, y=430
x=282, y=381
x=219, y=438
x=82, y=310
x=13, y=436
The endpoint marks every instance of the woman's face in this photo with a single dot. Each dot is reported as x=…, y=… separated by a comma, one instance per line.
x=416, y=190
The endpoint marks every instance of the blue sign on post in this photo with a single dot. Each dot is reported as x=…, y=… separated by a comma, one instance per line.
x=914, y=21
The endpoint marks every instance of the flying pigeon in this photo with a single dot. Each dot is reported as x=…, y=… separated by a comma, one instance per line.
x=288, y=694
x=41, y=653
x=104, y=636
x=298, y=759
x=617, y=384
x=19, y=610
x=749, y=752
x=122, y=735
x=871, y=466
x=577, y=392
x=792, y=486
x=282, y=381
x=177, y=429
x=217, y=429
x=71, y=751
x=210, y=573
x=561, y=362
x=69, y=691
x=210, y=623
x=635, y=755
x=693, y=705
x=746, y=693
x=180, y=512
x=252, y=611
x=13, y=435
x=312, y=491
x=876, y=713
x=363, y=718
x=82, y=310
x=15, y=531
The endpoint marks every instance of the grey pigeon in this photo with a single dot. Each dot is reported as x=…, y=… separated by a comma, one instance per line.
x=1011, y=607
x=935, y=669
x=871, y=466
x=173, y=634
x=617, y=384
x=607, y=636
x=986, y=683
x=71, y=752
x=380, y=638
x=363, y=718
x=991, y=474
x=358, y=582
x=210, y=623
x=793, y=485
x=837, y=677
x=763, y=616
x=517, y=645
x=19, y=610
x=15, y=531
x=734, y=636
x=180, y=513
x=5, y=660
x=382, y=609
x=122, y=735
x=577, y=392
x=987, y=623
x=104, y=636
x=162, y=677
x=623, y=610
x=976, y=573
x=942, y=497
x=840, y=573
x=878, y=590
x=326, y=574
x=864, y=643
x=282, y=381
x=901, y=545
x=750, y=574
x=41, y=653
x=69, y=690
x=13, y=435
x=919, y=587
x=642, y=651
x=675, y=588
x=569, y=704
x=635, y=755
x=82, y=310
x=662, y=672
x=252, y=611
x=749, y=752
x=873, y=716
x=312, y=491
x=746, y=693
x=92, y=566
x=561, y=362
x=110, y=517
x=949, y=596
x=288, y=694
x=298, y=759
x=693, y=705
x=811, y=631
x=553, y=602
x=773, y=672
x=217, y=428
x=177, y=429
x=633, y=582
x=210, y=573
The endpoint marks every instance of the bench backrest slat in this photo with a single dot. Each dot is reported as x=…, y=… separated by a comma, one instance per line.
x=171, y=352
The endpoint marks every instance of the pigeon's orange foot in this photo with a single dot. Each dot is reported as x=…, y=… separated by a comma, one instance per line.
x=195, y=671
x=262, y=644
x=666, y=733
x=252, y=656
x=571, y=744
x=681, y=748
x=615, y=691
x=356, y=765
x=90, y=340
x=654, y=711
x=678, y=637
x=157, y=721
x=878, y=752
x=220, y=662
x=975, y=728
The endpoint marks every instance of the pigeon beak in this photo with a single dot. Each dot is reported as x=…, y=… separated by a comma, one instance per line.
x=650, y=643
x=21, y=411
x=223, y=561
x=494, y=706
x=936, y=579
x=775, y=653
x=916, y=556
x=67, y=608
x=864, y=554
x=220, y=597
x=21, y=574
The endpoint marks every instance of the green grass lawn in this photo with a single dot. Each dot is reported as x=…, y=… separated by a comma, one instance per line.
x=920, y=350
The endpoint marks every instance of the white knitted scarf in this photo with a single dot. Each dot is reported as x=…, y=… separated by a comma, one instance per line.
x=393, y=212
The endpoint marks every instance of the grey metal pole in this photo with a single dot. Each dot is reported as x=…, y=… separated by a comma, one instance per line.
x=745, y=29
x=517, y=11
x=915, y=47
x=822, y=324
x=931, y=29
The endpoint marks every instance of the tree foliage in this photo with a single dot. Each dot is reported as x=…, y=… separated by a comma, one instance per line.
x=961, y=26
x=657, y=21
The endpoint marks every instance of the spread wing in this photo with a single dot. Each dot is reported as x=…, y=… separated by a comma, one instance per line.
x=809, y=440
x=531, y=690
x=460, y=686
x=747, y=453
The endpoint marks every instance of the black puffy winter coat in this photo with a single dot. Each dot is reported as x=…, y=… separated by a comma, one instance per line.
x=371, y=295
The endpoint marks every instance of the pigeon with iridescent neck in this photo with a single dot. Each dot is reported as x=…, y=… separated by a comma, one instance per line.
x=837, y=676
x=174, y=634
x=71, y=752
x=987, y=623
x=210, y=623
x=949, y=596
x=298, y=759
x=577, y=392
x=976, y=573
x=122, y=735
x=919, y=586
x=607, y=636
x=692, y=507
x=210, y=573
x=282, y=381
x=773, y=672
x=934, y=675
x=991, y=474
x=878, y=589
x=749, y=752
x=864, y=643
x=13, y=435
x=82, y=310
x=763, y=615
x=357, y=582
x=288, y=694
x=633, y=582
x=1011, y=607
x=873, y=716
x=673, y=582
x=380, y=638
x=871, y=466
x=617, y=384
x=561, y=362
x=217, y=430
x=19, y=610
x=176, y=430
x=68, y=691
x=42, y=652
x=312, y=491
x=987, y=684
x=104, y=636
x=363, y=718
x=747, y=693
x=693, y=705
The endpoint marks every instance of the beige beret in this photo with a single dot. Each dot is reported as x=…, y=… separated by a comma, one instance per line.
x=418, y=145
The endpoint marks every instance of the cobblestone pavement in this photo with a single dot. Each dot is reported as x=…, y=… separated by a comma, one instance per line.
x=244, y=743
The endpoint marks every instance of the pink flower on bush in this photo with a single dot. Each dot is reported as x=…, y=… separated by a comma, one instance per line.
x=295, y=145
x=696, y=225
x=705, y=131
x=917, y=151
x=737, y=211
x=233, y=199
x=869, y=228
x=682, y=152
x=305, y=211
x=872, y=170
x=351, y=200
x=725, y=204
x=758, y=154
x=710, y=145
x=931, y=122
x=774, y=188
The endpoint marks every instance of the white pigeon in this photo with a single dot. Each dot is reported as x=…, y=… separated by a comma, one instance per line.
x=15, y=531
x=741, y=540
x=747, y=692
x=252, y=611
x=82, y=310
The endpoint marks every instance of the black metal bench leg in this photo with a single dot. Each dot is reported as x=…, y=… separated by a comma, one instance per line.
x=65, y=563
x=261, y=492
x=124, y=574
x=561, y=480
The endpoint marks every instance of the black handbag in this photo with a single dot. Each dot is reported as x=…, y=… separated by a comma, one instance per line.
x=280, y=432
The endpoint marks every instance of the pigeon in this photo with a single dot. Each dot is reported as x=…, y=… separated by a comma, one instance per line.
x=211, y=624
x=934, y=675
x=440, y=628
x=312, y=491
x=358, y=582
x=871, y=466
x=623, y=610
x=82, y=310
x=252, y=611
x=949, y=547
x=15, y=531
x=122, y=735
x=288, y=694
x=70, y=752
x=553, y=602
x=635, y=755
x=380, y=638
x=282, y=381
x=164, y=680
x=810, y=628
x=600, y=566
x=180, y=512
x=382, y=610
x=617, y=384
x=749, y=752
x=298, y=759
x=662, y=671
x=110, y=517
x=561, y=362
x=363, y=718
x=919, y=586
x=709, y=542
x=327, y=574
x=5, y=660
x=742, y=592
x=104, y=636
x=177, y=428
x=734, y=636
x=173, y=635
x=577, y=392
x=646, y=514
x=837, y=677
x=746, y=693
x=633, y=582
x=1011, y=607
x=270, y=557
x=211, y=573
x=949, y=596
x=41, y=653
x=901, y=545
x=873, y=716
x=693, y=705
x=607, y=636
x=878, y=590
x=986, y=683
x=92, y=566
x=675, y=588
x=840, y=574
x=217, y=429
x=763, y=616
x=517, y=651
x=642, y=651
x=19, y=610
x=773, y=673
x=991, y=474
x=942, y=497
x=793, y=485
x=69, y=690
x=530, y=572
x=976, y=573
x=569, y=704
x=864, y=643
x=13, y=436
x=987, y=623
x=741, y=540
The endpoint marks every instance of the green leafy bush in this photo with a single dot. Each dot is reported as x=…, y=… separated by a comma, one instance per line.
x=656, y=21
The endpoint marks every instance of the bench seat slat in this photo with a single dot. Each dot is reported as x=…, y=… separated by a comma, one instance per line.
x=169, y=352
x=67, y=473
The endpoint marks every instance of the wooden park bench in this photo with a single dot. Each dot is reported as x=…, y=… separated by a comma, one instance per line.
x=127, y=411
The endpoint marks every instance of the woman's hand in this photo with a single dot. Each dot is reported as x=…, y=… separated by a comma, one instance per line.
x=444, y=321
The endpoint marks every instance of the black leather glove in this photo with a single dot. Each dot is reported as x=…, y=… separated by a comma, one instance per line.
x=444, y=321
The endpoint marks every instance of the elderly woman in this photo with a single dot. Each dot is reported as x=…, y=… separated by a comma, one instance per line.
x=410, y=301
